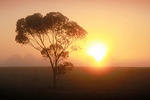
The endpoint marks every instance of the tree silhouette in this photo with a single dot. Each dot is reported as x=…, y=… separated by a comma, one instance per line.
x=53, y=35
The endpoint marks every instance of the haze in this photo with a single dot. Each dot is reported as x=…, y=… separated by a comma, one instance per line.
x=122, y=25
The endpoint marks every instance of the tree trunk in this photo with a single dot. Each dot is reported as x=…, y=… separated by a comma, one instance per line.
x=54, y=79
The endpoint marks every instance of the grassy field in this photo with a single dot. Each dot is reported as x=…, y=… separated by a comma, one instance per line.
x=28, y=83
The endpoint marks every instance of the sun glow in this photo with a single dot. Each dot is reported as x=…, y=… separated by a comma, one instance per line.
x=98, y=51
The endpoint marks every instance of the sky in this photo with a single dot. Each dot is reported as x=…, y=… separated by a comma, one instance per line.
x=123, y=26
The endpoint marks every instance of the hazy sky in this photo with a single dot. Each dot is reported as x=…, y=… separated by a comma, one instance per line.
x=122, y=25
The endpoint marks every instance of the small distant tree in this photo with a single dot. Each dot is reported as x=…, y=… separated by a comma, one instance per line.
x=53, y=35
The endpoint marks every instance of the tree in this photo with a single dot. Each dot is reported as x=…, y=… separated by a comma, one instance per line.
x=53, y=35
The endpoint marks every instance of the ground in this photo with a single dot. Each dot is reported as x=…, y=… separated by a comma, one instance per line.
x=83, y=83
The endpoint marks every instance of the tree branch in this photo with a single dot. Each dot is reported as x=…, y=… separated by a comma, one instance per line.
x=52, y=63
x=49, y=38
x=36, y=41
x=34, y=46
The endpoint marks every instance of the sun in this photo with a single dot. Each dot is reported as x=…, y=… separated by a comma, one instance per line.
x=97, y=50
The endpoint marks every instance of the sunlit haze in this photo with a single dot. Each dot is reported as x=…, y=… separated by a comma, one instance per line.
x=121, y=27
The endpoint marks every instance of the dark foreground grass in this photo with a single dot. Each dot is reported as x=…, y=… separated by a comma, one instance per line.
x=83, y=83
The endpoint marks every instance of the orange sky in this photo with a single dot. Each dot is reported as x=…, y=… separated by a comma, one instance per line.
x=122, y=25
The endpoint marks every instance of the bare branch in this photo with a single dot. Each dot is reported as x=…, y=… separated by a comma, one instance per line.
x=43, y=37
x=46, y=52
x=48, y=38
x=34, y=46
x=36, y=41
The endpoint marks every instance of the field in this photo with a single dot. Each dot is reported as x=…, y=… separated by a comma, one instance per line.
x=28, y=83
